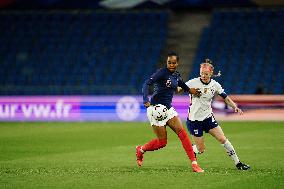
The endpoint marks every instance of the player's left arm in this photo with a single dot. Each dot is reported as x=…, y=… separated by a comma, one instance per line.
x=233, y=105
x=227, y=99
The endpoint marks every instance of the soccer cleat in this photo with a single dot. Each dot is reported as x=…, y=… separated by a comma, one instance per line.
x=139, y=156
x=242, y=166
x=196, y=168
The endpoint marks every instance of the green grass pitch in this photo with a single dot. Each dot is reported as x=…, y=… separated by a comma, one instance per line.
x=102, y=155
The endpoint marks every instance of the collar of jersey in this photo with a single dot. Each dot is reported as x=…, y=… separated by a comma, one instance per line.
x=204, y=83
x=170, y=71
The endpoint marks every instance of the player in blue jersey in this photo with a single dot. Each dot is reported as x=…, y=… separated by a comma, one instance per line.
x=201, y=117
x=165, y=82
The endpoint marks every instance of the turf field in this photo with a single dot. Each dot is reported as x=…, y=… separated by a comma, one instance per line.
x=102, y=155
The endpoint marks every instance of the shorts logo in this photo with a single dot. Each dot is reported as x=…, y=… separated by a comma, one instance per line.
x=214, y=121
x=195, y=131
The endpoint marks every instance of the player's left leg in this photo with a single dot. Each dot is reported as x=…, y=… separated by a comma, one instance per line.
x=195, y=128
x=176, y=125
x=219, y=135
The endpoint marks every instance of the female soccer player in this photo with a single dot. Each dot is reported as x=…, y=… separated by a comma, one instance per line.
x=165, y=82
x=201, y=116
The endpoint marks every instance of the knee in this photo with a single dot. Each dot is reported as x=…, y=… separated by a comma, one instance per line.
x=162, y=143
x=201, y=149
x=222, y=139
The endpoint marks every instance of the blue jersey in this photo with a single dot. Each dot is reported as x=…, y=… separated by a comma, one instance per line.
x=165, y=84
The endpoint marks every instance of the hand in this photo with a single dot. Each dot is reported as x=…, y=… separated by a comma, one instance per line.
x=195, y=92
x=179, y=90
x=147, y=104
x=238, y=110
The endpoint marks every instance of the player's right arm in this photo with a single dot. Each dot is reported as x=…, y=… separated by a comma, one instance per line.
x=145, y=90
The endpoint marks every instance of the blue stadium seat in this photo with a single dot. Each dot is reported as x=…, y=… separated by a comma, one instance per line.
x=247, y=45
x=71, y=50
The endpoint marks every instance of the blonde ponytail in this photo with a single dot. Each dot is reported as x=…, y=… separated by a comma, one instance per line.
x=208, y=63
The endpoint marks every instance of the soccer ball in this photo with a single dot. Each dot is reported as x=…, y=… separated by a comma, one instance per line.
x=160, y=112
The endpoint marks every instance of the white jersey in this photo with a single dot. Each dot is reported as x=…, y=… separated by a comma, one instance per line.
x=200, y=107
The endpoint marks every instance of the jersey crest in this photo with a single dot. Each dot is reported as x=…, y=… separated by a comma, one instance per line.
x=169, y=82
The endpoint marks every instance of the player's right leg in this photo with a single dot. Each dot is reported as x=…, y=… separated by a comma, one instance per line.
x=159, y=128
x=199, y=146
x=155, y=144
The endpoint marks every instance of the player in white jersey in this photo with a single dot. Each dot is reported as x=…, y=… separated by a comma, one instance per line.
x=201, y=118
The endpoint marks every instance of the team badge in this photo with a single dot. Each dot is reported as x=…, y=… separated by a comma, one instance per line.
x=205, y=90
x=168, y=83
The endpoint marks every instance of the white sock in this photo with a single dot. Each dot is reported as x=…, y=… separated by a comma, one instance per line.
x=194, y=147
x=231, y=151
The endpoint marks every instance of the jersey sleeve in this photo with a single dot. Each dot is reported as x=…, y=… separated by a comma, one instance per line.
x=189, y=83
x=150, y=81
x=220, y=91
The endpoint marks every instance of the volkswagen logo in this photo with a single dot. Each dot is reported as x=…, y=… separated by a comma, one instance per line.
x=127, y=108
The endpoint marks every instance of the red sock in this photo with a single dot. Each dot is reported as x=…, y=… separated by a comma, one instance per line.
x=186, y=144
x=154, y=144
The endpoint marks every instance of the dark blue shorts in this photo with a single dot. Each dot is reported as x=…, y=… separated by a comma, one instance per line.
x=196, y=128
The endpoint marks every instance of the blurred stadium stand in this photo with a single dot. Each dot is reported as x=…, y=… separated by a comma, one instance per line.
x=48, y=48
x=247, y=46
x=79, y=52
